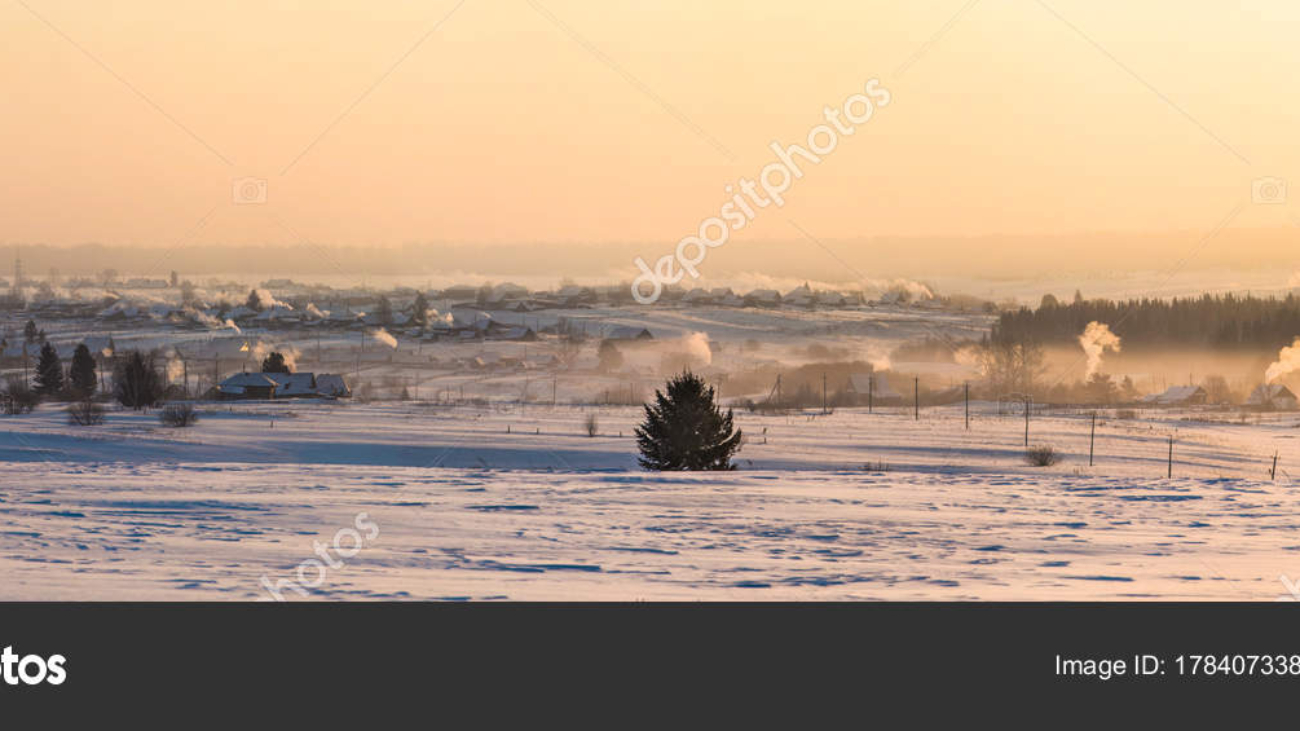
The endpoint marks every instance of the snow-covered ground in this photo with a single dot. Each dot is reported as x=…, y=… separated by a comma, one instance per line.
x=518, y=503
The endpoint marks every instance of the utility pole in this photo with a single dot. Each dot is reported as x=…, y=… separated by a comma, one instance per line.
x=1029, y=400
x=1092, y=438
x=779, y=400
x=871, y=391
x=824, y=392
x=916, y=397
x=1272, y=474
x=1170, y=473
x=967, y=406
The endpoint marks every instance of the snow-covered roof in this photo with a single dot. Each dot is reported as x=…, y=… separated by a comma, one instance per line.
x=330, y=384
x=1268, y=393
x=293, y=384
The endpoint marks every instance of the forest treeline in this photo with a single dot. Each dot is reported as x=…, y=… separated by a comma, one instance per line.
x=1228, y=322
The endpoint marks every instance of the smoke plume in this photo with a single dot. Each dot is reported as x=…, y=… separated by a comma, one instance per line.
x=382, y=336
x=1097, y=339
x=1288, y=361
x=696, y=345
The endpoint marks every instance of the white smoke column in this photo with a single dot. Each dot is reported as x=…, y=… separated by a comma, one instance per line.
x=175, y=370
x=268, y=300
x=696, y=345
x=231, y=324
x=314, y=311
x=290, y=353
x=382, y=336
x=1288, y=361
x=1097, y=339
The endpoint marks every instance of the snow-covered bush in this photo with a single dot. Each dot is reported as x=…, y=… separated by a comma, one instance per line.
x=85, y=413
x=1042, y=455
x=179, y=415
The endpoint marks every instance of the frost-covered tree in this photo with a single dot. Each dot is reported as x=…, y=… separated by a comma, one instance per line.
x=685, y=430
x=610, y=357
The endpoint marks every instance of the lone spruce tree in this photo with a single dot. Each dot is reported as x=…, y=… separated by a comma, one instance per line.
x=49, y=372
x=685, y=430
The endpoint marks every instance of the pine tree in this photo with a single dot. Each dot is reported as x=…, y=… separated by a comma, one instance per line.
x=82, y=374
x=254, y=301
x=385, y=311
x=30, y=332
x=49, y=372
x=274, y=363
x=136, y=381
x=685, y=430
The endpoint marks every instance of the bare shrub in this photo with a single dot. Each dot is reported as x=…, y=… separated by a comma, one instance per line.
x=18, y=397
x=1042, y=455
x=179, y=415
x=592, y=425
x=85, y=413
x=1126, y=414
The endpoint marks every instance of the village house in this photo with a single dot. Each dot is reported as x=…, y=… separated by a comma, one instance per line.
x=1272, y=397
x=1178, y=396
x=283, y=385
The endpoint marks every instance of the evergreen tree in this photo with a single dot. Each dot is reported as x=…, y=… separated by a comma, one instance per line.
x=30, y=332
x=49, y=372
x=254, y=301
x=685, y=430
x=137, y=382
x=274, y=363
x=385, y=311
x=82, y=374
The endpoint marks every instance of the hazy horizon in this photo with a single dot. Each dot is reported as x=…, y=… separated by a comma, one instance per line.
x=546, y=123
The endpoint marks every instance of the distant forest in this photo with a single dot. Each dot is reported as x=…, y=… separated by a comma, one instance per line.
x=1228, y=322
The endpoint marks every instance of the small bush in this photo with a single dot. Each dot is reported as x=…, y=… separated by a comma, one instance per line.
x=179, y=415
x=1042, y=455
x=85, y=413
x=592, y=425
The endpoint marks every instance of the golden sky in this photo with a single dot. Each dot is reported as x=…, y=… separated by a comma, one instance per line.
x=614, y=120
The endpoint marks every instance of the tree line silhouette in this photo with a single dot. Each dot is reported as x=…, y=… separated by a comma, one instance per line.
x=1227, y=322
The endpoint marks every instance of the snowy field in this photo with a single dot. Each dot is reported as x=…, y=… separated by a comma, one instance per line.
x=519, y=503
